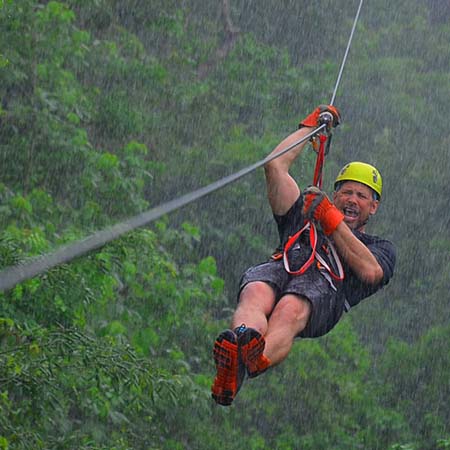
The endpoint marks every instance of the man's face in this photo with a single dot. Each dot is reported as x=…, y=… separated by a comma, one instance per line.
x=356, y=202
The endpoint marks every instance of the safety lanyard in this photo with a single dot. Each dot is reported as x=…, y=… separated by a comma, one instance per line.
x=320, y=160
x=318, y=178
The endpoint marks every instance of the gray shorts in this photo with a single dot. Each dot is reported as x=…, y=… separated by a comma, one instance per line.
x=312, y=285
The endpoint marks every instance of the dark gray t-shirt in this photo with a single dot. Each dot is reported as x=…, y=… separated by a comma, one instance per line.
x=352, y=288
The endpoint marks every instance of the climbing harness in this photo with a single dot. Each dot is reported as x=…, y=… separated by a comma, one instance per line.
x=315, y=256
x=318, y=143
x=11, y=276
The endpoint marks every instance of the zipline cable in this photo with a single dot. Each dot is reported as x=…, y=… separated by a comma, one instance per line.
x=344, y=59
x=11, y=276
x=324, y=137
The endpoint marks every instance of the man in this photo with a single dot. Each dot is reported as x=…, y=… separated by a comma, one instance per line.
x=305, y=288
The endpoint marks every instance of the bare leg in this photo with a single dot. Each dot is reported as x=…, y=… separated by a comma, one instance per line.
x=233, y=360
x=289, y=317
x=255, y=305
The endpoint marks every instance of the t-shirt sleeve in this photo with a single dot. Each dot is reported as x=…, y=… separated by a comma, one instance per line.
x=290, y=222
x=384, y=252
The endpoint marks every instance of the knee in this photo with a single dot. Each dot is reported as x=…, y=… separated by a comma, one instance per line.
x=294, y=309
x=257, y=296
x=256, y=291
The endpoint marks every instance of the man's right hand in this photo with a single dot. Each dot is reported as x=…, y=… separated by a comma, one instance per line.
x=328, y=114
x=317, y=207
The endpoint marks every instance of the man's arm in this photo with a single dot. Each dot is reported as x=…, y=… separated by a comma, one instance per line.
x=359, y=258
x=318, y=207
x=282, y=189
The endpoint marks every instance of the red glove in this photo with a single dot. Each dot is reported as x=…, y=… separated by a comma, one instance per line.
x=317, y=207
x=322, y=114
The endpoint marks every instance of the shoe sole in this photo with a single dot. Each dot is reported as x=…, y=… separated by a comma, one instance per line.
x=251, y=347
x=225, y=351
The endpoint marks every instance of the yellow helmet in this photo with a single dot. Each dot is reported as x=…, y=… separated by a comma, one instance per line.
x=363, y=173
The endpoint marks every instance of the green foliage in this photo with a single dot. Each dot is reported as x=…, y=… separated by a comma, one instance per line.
x=443, y=443
x=413, y=368
x=41, y=96
x=111, y=107
x=65, y=386
x=134, y=300
x=335, y=370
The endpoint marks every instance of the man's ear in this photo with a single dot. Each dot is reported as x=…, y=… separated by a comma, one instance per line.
x=374, y=207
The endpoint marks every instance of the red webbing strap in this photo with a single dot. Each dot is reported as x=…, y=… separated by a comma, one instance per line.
x=291, y=241
x=312, y=229
x=318, y=171
x=320, y=162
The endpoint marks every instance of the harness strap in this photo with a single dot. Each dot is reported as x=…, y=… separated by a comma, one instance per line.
x=291, y=241
x=320, y=161
x=339, y=276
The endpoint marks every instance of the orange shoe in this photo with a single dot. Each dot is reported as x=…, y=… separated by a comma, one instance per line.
x=251, y=348
x=230, y=369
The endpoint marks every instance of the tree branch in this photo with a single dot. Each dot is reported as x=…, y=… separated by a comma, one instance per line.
x=231, y=35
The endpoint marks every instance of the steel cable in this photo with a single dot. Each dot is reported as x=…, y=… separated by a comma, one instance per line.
x=11, y=276
x=344, y=59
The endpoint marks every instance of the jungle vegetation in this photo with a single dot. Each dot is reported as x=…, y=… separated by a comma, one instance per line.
x=109, y=108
